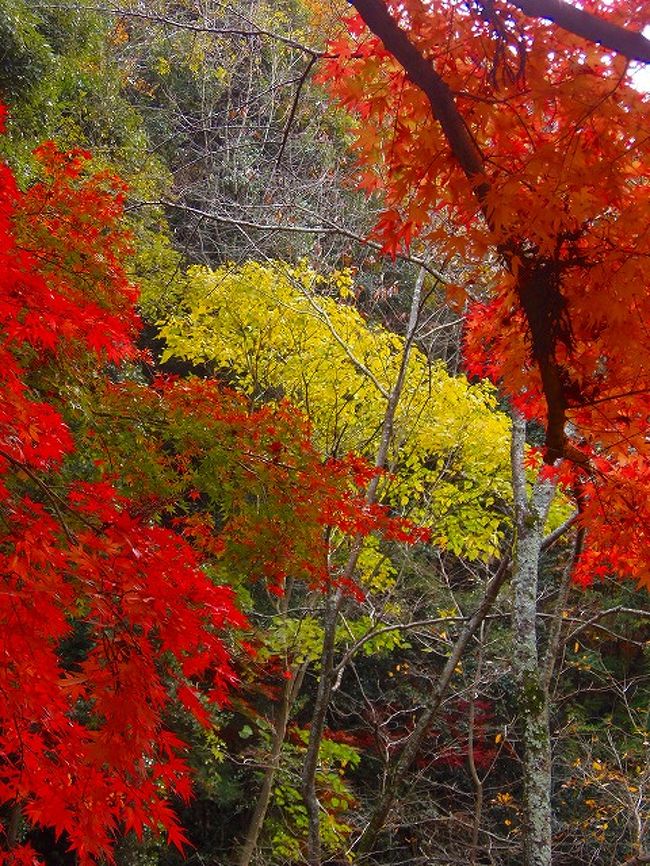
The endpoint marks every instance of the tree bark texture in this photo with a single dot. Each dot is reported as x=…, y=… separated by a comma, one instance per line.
x=532, y=688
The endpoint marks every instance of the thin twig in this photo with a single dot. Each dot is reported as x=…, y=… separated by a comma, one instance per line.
x=330, y=228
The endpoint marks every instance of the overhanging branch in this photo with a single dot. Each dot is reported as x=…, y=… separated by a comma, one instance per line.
x=629, y=43
x=540, y=299
x=443, y=105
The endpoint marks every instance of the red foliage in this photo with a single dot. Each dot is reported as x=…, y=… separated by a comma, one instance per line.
x=112, y=517
x=83, y=745
x=527, y=159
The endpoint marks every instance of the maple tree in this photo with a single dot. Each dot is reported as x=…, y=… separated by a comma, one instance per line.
x=519, y=147
x=126, y=508
x=74, y=557
x=503, y=138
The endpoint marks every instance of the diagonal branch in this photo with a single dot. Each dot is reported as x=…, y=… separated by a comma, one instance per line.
x=327, y=228
x=537, y=287
x=630, y=43
x=443, y=105
x=294, y=107
x=408, y=754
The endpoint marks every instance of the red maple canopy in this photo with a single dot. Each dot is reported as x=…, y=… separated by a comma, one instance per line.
x=519, y=149
x=108, y=615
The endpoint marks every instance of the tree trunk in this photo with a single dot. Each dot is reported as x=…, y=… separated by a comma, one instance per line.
x=264, y=797
x=531, y=683
x=326, y=680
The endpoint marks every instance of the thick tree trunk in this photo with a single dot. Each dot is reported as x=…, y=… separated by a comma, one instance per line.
x=532, y=688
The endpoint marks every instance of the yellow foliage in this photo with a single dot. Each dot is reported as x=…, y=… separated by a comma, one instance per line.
x=282, y=330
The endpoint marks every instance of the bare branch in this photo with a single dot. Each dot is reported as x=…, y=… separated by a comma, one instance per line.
x=177, y=24
x=330, y=228
x=294, y=107
x=561, y=530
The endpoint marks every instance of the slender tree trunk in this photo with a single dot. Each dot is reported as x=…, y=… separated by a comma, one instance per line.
x=291, y=689
x=13, y=826
x=317, y=726
x=531, y=682
x=541, y=501
x=554, y=642
x=332, y=608
x=409, y=752
x=473, y=771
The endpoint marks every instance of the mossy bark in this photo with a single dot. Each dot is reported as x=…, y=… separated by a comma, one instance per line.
x=532, y=690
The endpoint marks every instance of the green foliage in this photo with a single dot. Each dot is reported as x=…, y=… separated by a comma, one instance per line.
x=383, y=643
x=61, y=79
x=300, y=640
x=375, y=570
x=60, y=82
x=287, y=825
x=26, y=55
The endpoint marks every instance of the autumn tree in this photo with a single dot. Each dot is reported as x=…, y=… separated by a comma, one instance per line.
x=378, y=690
x=503, y=138
x=293, y=331
x=73, y=553
x=478, y=140
x=127, y=507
